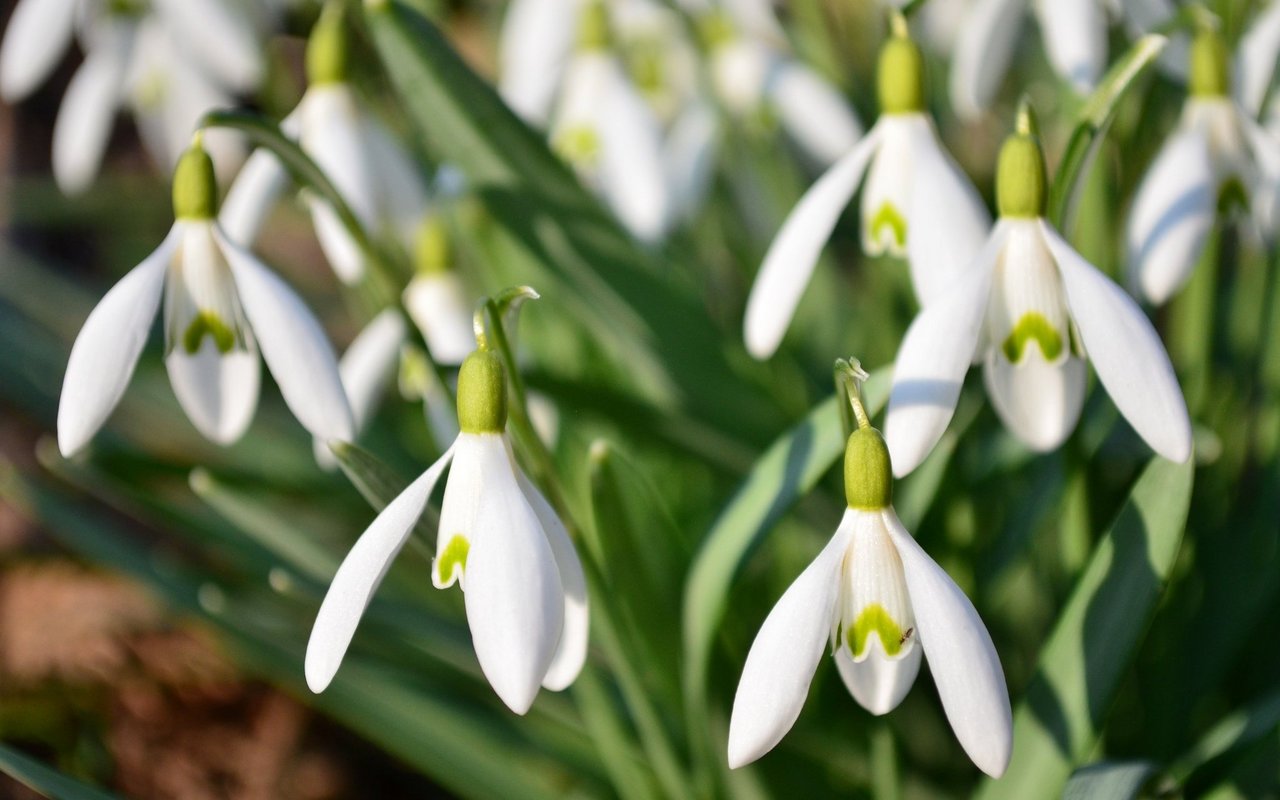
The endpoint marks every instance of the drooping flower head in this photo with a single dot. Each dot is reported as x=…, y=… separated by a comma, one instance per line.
x=220, y=306
x=379, y=181
x=498, y=539
x=880, y=604
x=908, y=176
x=1032, y=310
x=1218, y=159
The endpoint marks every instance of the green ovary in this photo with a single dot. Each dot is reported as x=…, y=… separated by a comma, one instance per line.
x=454, y=555
x=207, y=323
x=1032, y=327
x=889, y=217
x=874, y=619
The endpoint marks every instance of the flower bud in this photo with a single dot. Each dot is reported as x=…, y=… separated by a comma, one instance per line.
x=868, y=478
x=195, y=190
x=482, y=394
x=328, y=48
x=1209, y=70
x=900, y=74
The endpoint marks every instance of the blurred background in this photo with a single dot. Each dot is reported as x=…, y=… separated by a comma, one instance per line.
x=156, y=592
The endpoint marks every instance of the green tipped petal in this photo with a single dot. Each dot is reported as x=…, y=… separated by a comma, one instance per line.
x=207, y=323
x=875, y=619
x=482, y=394
x=1033, y=327
x=868, y=479
x=452, y=558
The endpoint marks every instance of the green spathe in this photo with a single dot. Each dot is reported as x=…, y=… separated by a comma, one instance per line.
x=875, y=619
x=900, y=76
x=868, y=478
x=329, y=47
x=195, y=190
x=1033, y=327
x=482, y=394
x=1210, y=75
x=453, y=556
x=1021, y=180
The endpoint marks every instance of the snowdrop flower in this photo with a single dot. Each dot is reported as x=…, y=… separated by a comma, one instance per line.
x=168, y=60
x=754, y=75
x=220, y=306
x=1219, y=153
x=436, y=300
x=1032, y=309
x=1074, y=34
x=603, y=128
x=882, y=604
x=499, y=540
x=379, y=181
x=907, y=175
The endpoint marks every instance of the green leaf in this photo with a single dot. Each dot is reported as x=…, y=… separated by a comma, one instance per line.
x=1231, y=735
x=789, y=469
x=1094, y=120
x=44, y=779
x=1097, y=634
x=658, y=340
x=1109, y=780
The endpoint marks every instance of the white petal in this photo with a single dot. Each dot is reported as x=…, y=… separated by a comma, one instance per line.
x=1264, y=194
x=340, y=250
x=1256, y=60
x=812, y=111
x=571, y=651
x=439, y=307
x=780, y=666
x=359, y=575
x=366, y=368
x=221, y=39
x=1126, y=353
x=36, y=40
x=983, y=51
x=961, y=656
x=89, y=107
x=631, y=168
x=878, y=683
x=107, y=348
x=689, y=155
x=886, y=195
x=537, y=37
x=794, y=252
x=933, y=359
x=514, y=600
x=398, y=179
x=1038, y=401
x=293, y=345
x=1075, y=38
x=1172, y=215
x=218, y=392
x=947, y=220
x=251, y=197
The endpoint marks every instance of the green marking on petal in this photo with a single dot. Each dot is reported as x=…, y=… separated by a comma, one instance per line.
x=875, y=619
x=207, y=323
x=454, y=556
x=1032, y=327
x=578, y=145
x=889, y=217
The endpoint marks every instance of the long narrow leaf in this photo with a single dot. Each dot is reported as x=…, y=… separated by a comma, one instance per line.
x=44, y=779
